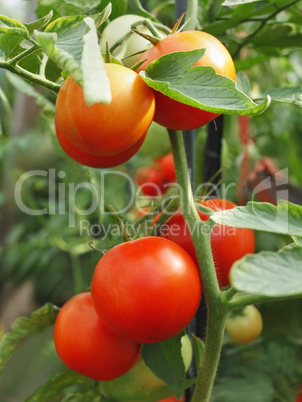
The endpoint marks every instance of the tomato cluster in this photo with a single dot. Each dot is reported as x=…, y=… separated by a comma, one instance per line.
x=154, y=180
x=229, y=244
x=143, y=291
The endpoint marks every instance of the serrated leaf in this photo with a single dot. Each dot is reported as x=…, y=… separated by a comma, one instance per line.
x=40, y=23
x=58, y=383
x=165, y=360
x=175, y=76
x=95, y=81
x=291, y=95
x=65, y=60
x=10, y=22
x=270, y=274
x=237, y=2
x=284, y=218
x=23, y=327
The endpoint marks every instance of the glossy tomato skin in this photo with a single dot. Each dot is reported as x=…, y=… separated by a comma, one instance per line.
x=173, y=114
x=86, y=346
x=106, y=129
x=92, y=160
x=150, y=180
x=146, y=290
x=245, y=327
x=228, y=244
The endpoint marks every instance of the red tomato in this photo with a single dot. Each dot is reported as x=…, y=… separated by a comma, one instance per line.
x=106, y=129
x=173, y=399
x=299, y=396
x=167, y=166
x=86, y=346
x=96, y=161
x=150, y=180
x=229, y=244
x=173, y=114
x=146, y=290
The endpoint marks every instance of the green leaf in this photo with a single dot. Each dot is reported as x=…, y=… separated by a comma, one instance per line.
x=198, y=347
x=291, y=95
x=12, y=23
x=165, y=360
x=14, y=32
x=297, y=240
x=95, y=81
x=278, y=36
x=175, y=76
x=62, y=58
x=237, y=2
x=119, y=7
x=23, y=327
x=284, y=218
x=270, y=274
x=40, y=23
x=57, y=384
x=243, y=83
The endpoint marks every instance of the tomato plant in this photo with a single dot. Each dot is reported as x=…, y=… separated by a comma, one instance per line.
x=140, y=380
x=157, y=142
x=85, y=344
x=106, y=129
x=244, y=326
x=228, y=244
x=173, y=114
x=146, y=290
x=92, y=160
x=173, y=399
x=134, y=44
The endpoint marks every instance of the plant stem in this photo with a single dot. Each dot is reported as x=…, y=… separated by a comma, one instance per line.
x=144, y=12
x=191, y=16
x=34, y=78
x=201, y=234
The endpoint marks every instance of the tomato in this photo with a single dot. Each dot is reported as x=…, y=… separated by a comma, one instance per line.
x=96, y=161
x=176, y=115
x=167, y=166
x=173, y=399
x=140, y=381
x=146, y=290
x=245, y=326
x=86, y=346
x=106, y=129
x=228, y=244
x=157, y=142
x=150, y=180
x=118, y=28
x=299, y=395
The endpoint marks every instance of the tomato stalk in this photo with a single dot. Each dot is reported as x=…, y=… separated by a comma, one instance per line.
x=200, y=232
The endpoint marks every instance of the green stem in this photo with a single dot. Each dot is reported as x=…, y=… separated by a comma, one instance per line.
x=201, y=235
x=242, y=299
x=191, y=20
x=34, y=78
x=144, y=12
x=214, y=337
x=261, y=26
x=23, y=54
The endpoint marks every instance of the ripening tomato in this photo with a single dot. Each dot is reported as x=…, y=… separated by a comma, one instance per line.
x=176, y=115
x=106, y=129
x=299, y=395
x=173, y=399
x=244, y=326
x=150, y=180
x=85, y=344
x=146, y=290
x=166, y=164
x=229, y=244
x=96, y=161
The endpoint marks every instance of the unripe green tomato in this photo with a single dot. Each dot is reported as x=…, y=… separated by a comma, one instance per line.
x=140, y=381
x=245, y=326
x=157, y=142
x=118, y=28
